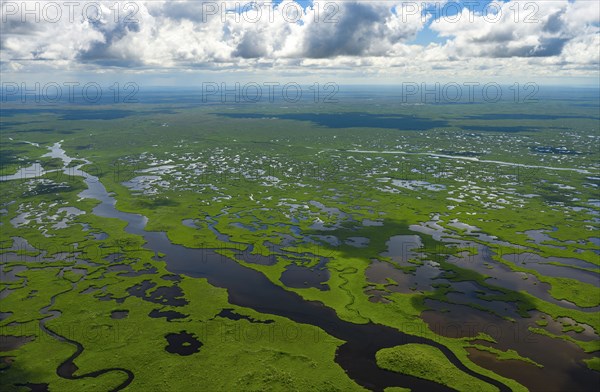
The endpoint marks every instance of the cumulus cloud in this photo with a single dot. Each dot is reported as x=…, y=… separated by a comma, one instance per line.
x=362, y=29
x=370, y=35
x=518, y=29
x=203, y=31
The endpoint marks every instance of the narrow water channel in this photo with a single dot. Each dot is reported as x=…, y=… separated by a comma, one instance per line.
x=249, y=288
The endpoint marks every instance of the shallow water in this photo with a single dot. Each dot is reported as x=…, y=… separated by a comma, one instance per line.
x=9, y=343
x=369, y=222
x=540, y=264
x=250, y=288
x=32, y=171
x=119, y=314
x=562, y=361
x=168, y=314
x=406, y=283
x=357, y=242
x=300, y=276
x=403, y=247
x=182, y=343
x=502, y=276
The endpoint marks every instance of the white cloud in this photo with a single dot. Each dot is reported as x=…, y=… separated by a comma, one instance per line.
x=518, y=29
x=364, y=37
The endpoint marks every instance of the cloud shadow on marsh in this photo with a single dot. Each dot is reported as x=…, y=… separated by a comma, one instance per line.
x=350, y=120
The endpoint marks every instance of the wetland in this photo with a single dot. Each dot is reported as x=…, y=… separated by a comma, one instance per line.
x=344, y=250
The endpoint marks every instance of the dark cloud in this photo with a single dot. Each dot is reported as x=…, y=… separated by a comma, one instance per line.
x=190, y=10
x=13, y=27
x=495, y=36
x=100, y=52
x=554, y=23
x=360, y=30
x=544, y=48
x=252, y=46
x=548, y=47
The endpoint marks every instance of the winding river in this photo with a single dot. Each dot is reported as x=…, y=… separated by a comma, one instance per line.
x=249, y=288
x=68, y=368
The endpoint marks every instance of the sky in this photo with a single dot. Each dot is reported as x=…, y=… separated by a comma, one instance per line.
x=178, y=43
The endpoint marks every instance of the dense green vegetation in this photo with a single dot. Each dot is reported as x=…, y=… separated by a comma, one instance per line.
x=429, y=363
x=419, y=218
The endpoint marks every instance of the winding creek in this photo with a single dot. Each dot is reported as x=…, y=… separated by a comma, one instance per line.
x=68, y=368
